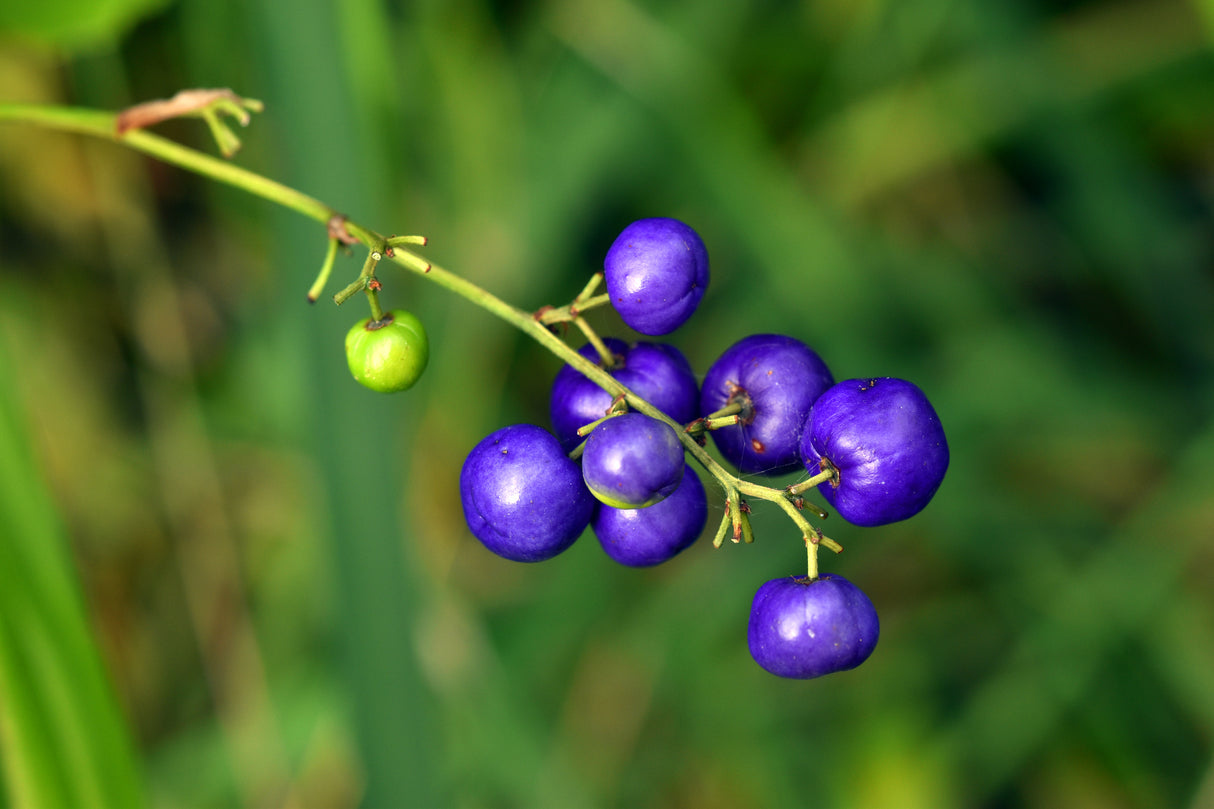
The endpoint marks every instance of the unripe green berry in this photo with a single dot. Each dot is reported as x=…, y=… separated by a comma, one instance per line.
x=390, y=354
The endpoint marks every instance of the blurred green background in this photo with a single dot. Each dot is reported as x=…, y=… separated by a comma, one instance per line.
x=229, y=576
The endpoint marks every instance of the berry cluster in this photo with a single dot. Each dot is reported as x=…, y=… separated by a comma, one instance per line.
x=873, y=447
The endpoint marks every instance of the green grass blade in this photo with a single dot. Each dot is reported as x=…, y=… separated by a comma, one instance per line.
x=63, y=741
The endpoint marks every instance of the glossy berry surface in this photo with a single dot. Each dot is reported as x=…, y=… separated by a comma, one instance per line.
x=885, y=440
x=656, y=272
x=657, y=373
x=632, y=461
x=777, y=378
x=643, y=537
x=522, y=496
x=803, y=629
x=389, y=354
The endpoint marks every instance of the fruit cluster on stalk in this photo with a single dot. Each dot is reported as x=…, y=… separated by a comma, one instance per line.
x=873, y=447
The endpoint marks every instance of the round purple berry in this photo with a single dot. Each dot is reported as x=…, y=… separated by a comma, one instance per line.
x=522, y=496
x=885, y=442
x=802, y=629
x=657, y=373
x=775, y=379
x=632, y=461
x=642, y=537
x=656, y=272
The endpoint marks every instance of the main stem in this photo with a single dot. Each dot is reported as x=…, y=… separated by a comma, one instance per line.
x=100, y=124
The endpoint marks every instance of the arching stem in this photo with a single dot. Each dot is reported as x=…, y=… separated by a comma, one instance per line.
x=101, y=125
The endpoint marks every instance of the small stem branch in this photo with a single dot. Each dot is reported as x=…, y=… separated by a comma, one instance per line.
x=594, y=303
x=806, y=485
x=739, y=516
x=377, y=311
x=325, y=270
x=587, y=429
x=349, y=291
x=748, y=533
x=584, y=301
x=733, y=506
x=564, y=314
x=811, y=555
x=596, y=341
x=363, y=282
x=731, y=409
x=401, y=241
x=723, y=528
x=588, y=290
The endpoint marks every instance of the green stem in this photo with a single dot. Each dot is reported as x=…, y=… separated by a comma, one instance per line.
x=811, y=556
x=588, y=290
x=350, y=290
x=593, y=303
x=325, y=269
x=733, y=508
x=583, y=302
x=723, y=528
x=101, y=125
x=377, y=311
x=593, y=338
x=806, y=485
x=587, y=429
x=732, y=409
x=400, y=241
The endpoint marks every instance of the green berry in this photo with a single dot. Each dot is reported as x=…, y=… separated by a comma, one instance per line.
x=390, y=354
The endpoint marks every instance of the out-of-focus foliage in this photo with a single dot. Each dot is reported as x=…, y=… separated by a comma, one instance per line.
x=78, y=24
x=1009, y=203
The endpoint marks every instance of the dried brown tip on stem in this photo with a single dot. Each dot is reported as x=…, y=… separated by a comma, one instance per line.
x=337, y=229
x=183, y=103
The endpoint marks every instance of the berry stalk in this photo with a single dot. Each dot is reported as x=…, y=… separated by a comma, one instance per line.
x=104, y=125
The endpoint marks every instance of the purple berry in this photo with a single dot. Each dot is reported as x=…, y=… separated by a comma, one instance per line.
x=803, y=629
x=885, y=441
x=642, y=537
x=632, y=461
x=656, y=272
x=523, y=498
x=776, y=379
x=657, y=373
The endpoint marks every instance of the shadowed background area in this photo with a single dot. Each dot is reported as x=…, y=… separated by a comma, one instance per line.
x=230, y=576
